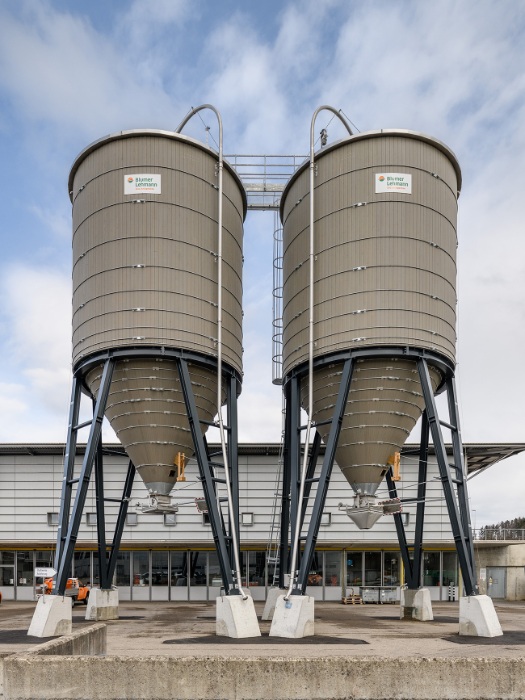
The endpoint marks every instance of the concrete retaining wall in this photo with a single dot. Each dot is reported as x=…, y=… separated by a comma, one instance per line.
x=90, y=641
x=34, y=677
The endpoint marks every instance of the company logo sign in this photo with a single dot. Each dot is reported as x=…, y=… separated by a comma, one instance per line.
x=141, y=183
x=393, y=182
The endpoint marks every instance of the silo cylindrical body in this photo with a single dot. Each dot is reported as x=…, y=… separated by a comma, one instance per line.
x=385, y=212
x=145, y=277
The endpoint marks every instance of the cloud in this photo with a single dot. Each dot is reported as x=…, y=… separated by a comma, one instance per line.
x=58, y=69
x=37, y=309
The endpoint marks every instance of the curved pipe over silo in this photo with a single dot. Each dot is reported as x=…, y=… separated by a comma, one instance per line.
x=384, y=277
x=145, y=216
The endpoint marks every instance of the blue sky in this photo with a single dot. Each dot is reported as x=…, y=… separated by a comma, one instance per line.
x=72, y=72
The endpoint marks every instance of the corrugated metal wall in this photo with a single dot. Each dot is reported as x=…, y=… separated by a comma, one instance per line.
x=385, y=262
x=144, y=265
x=30, y=487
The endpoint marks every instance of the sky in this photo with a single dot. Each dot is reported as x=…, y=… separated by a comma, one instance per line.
x=72, y=72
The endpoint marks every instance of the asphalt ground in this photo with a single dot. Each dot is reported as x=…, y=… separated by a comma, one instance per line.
x=188, y=630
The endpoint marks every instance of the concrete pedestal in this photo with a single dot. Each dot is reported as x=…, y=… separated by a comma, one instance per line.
x=416, y=604
x=102, y=605
x=236, y=618
x=293, y=618
x=269, y=607
x=52, y=617
x=477, y=617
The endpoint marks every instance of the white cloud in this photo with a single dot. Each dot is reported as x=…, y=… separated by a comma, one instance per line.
x=57, y=68
x=37, y=307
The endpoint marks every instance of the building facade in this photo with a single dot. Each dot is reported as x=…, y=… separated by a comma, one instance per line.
x=172, y=556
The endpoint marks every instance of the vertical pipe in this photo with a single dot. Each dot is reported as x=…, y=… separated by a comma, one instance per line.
x=311, y=258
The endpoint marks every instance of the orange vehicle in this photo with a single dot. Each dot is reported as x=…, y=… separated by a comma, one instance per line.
x=74, y=589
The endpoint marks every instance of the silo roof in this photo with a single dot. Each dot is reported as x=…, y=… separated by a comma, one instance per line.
x=407, y=133
x=132, y=133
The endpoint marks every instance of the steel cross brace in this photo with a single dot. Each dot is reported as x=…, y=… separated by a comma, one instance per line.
x=221, y=538
x=459, y=516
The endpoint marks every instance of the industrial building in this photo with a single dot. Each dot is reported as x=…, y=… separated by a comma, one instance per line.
x=172, y=556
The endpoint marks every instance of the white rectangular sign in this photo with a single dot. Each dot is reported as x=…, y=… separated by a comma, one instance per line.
x=394, y=182
x=140, y=183
x=44, y=572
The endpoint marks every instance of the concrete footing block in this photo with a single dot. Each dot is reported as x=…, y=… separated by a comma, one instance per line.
x=52, y=617
x=416, y=604
x=293, y=618
x=269, y=607
x=477, y=617
x=102, y=605
x=236, y=617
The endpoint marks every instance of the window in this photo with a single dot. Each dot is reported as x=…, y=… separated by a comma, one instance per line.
x=132, y=519
x=391, y=568
x=372, y=568
x=326, y=519
x=170, y=519
x=354, y=568
x=247, y=518
x=52, y=519
x=91, y=519
x=205, y=519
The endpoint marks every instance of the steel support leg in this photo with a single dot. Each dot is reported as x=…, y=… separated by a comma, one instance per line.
x=294, y=407
x=462, y=539
x=461, y=469
x=400, y=529
x=119, y=527
x=208, y=484
x=69, y=468
x=324, y=478
x=101, y=518
x=421, y=495
x=68, y=547
x=284, y=543
x=233, y=460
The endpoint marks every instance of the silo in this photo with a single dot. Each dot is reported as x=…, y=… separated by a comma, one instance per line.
x=145, y=285
x=384, y=280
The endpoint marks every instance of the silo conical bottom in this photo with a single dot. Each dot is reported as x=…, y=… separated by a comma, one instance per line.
x=384, y=404
x=146, y=410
